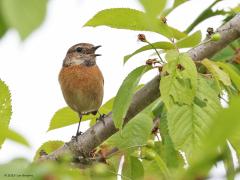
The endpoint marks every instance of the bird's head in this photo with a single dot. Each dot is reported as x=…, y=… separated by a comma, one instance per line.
x=82, y=53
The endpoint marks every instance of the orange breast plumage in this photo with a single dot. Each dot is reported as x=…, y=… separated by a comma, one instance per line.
x=82, y=87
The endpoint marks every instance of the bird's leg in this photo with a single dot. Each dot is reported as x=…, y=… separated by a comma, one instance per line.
x=101, y=117
x=80, y=119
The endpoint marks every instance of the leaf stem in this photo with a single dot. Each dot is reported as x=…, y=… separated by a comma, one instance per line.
x=155, y=51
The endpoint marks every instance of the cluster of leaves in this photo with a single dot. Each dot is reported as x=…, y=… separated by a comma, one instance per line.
x=194, y=130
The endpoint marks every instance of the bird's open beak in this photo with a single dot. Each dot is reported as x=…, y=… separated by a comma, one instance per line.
x=95, y=48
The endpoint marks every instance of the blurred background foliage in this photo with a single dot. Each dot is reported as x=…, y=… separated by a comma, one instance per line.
x=25, y=16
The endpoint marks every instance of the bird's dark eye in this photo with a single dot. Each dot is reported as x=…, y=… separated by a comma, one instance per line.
x=78, y=49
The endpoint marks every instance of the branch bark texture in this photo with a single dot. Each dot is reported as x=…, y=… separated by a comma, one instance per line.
x=98, y=133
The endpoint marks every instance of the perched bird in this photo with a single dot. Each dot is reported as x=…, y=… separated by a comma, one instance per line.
x=81, y=80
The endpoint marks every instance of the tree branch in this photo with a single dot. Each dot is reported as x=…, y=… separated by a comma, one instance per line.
x=98, y=133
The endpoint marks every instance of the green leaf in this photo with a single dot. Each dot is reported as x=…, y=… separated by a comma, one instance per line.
x=171, y=157
x=224, y=126
x=5, y=109
x=132, y=168
x=48, y=147
x=152, y=155
x=162, y=166
x=235, y=77
x=3, y=25
x=24, y=15
x=175, y=4
x=228, y=161
x=178, y=2
x=179, y=84
x=226, y=54
x=235, y=142
x=131, y=19
x=135, y=132
x=125, y=94
x=176, y=33
x=151, y=170
x=14, y=136
x=158, y=45
x=217, y=73
x=14, y=167
x=189, y=123
x=190, y=41
x=207, y=13
x=66, y=116
x=154, y=7
x=186, y=42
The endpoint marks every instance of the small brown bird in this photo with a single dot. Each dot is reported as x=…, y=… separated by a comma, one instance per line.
x=81, y=80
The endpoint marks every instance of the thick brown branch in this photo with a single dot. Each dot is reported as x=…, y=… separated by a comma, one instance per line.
x=98, y=133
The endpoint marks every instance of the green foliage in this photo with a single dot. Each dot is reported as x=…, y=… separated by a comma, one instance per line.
x=153, y=8
x=66, y=116
x=14, y=168
x=158, y=45
x=157, y=161
x=170, y=155
x=100, y=172
x=3, y=24
x=48, y=147
x=54, y=170
x=5, y=105
x=14, y=136
x=125, y=18
x=235, y=77
x=175, y=5
x=227, y=119
x=134, y=134
x=179, y=83
x=224, y=126
x=190, y=41
x=132, y=168
x=151, y=170
x=22, y=169
x=207, y=13
x=125, y=94
x=189, y=123
x=186, y=42
x=5, y=116
x=162, y=166
x=226, y=53
x=228, y=162
x=178, y=2
x=217, y=73
x=25, y=15
x=5, y=109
